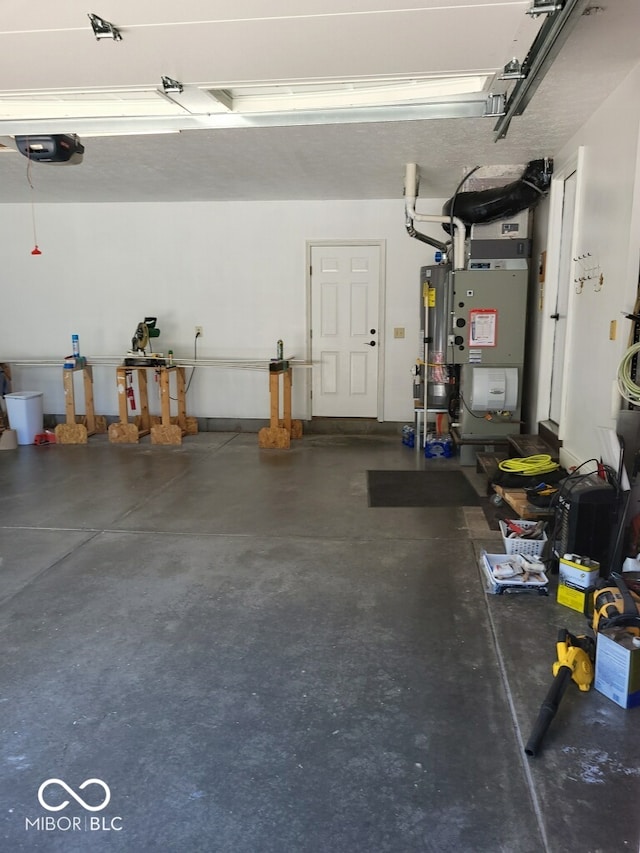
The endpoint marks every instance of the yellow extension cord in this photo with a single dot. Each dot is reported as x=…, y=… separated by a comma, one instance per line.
x=529, y=466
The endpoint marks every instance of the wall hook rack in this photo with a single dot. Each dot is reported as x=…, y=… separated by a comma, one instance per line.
x=589, y=270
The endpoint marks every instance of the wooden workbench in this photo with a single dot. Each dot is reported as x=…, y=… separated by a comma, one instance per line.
x=164, y=429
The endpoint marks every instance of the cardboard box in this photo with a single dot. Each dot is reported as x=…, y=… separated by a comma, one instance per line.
x=618, y=667
x=576, y=598
x=581, y=575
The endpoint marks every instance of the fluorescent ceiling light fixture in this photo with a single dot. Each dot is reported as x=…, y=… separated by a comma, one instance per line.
x=93, y=104
x=95, y=134
x=176, y=107
x=353, y=94
x=103, y=29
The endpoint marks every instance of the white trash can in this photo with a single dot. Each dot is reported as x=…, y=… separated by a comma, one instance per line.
x=24, y=409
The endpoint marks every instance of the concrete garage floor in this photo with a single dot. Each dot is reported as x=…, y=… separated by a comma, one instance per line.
x=255, y=661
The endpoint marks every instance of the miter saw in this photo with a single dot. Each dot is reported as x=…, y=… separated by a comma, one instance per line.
x=137, y=355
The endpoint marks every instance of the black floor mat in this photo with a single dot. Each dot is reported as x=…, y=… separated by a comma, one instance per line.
x=420, y=488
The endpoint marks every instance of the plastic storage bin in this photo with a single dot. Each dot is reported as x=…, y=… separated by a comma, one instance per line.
x=489, y=562
x=528, y=547
x=24, y=409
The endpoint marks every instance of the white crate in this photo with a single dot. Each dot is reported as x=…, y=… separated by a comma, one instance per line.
x=532, y=547
x=488, y=562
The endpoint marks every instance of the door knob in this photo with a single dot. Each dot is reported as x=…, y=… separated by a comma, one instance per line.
x=370, y=343
x=554, y=316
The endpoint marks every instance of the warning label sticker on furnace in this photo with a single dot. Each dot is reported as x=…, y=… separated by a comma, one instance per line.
x=483, y=324
x=475, y=356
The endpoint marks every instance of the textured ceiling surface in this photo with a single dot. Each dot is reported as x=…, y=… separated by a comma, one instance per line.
x=212, y=45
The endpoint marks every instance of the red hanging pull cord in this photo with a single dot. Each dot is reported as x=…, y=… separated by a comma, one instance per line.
x=35, y=250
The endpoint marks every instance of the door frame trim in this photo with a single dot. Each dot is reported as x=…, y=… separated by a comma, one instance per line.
x=574, y=163
x=382, y=286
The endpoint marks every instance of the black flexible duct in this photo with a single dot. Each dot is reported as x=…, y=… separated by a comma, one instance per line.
x=490, y=205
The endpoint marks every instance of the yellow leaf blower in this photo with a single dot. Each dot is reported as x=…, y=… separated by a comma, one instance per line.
x=575, y=662
x=616, y=607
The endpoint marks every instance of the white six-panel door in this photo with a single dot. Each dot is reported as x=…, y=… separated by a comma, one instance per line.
x=345, y=333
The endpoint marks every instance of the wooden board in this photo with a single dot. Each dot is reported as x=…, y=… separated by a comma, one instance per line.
x=8, y=439
x=190, y=424
x=482, y=441
x=169, y=434
x=274, y=438
x=124, y=433
x=530, y=445
x=71, y=434
x=517, y=500
x=487, y=464
x=296, y=428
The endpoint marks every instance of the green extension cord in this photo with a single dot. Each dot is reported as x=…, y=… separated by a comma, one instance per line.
x=529, y=466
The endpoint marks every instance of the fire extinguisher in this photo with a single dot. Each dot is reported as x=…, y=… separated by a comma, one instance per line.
x=131, y=397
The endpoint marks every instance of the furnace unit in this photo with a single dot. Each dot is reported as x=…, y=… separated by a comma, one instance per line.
x=474, y=350
x=489, y=322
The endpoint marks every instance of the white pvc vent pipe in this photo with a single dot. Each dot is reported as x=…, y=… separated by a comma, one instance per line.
x=411, y=194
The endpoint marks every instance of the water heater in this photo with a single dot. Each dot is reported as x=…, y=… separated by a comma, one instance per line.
x=435, y=311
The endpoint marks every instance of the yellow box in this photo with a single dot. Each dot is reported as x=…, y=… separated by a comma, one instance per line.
x=583, y=574
x=575, y=598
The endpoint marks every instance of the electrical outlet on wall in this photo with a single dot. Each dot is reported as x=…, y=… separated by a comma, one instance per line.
x=398, y=332
x=199, y=331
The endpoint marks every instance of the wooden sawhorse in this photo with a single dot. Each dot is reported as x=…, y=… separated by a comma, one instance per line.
x=74, y=431
x=163, y=429
x=280, y=430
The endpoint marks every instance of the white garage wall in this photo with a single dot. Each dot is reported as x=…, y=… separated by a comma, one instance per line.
x=608, y=228
x=237, y=269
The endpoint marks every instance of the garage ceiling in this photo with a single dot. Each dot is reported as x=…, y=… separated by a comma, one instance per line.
x=52, y=66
